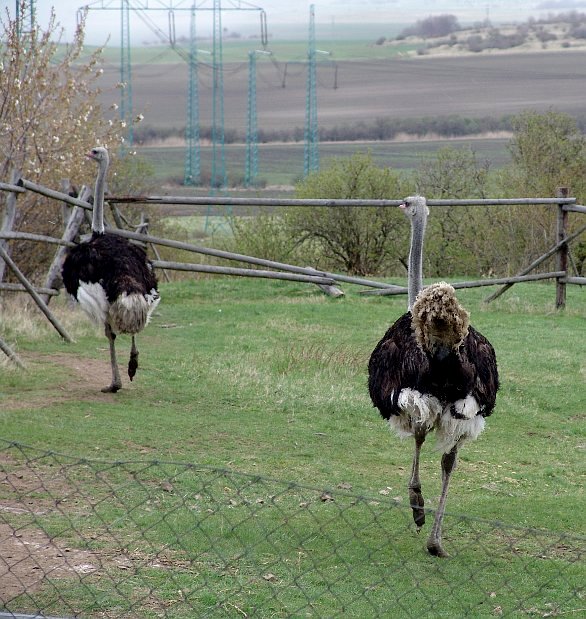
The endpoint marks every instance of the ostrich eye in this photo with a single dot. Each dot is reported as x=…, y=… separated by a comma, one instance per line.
x=407, y=203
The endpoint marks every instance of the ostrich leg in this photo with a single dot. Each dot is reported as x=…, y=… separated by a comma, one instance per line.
x=434, y=541
x=415, y=496
x=133, y=361
x=116, y=381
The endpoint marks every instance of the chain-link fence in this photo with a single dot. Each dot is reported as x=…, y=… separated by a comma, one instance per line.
x=88, y=538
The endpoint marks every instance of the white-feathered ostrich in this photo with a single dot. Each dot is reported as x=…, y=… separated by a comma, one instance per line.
x=112, y=279
x=432, y=371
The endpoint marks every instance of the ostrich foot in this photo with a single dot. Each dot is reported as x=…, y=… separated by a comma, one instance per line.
x=113, y=388
x=132, y=364
x=416, y=501
x=435, y=548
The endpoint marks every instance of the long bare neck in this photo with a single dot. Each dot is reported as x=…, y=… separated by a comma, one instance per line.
x=98, y=211
x=415, y=272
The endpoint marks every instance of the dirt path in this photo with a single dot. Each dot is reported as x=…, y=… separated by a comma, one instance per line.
x=85, y=378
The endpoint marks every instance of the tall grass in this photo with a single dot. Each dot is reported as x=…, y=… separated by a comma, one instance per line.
x=269, y=379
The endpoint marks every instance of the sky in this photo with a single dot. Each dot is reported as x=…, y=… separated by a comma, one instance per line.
x=104, y=16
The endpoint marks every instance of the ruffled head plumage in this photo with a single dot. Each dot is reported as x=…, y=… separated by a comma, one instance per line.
x=438, y=318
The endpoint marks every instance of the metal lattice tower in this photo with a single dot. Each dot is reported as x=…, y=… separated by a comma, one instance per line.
x=125, y=73
x=218, y=144
x=311, y=153
x=25, y=17
x=192, y=174
x=251, y=163
x=142, y=8
x=124, y=7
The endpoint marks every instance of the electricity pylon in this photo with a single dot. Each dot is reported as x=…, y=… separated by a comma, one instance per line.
x=25, y=17
x=251, y=161
x=311, y=152
x=192, y=174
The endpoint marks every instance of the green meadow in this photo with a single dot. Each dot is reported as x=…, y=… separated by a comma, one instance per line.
x=247, y=460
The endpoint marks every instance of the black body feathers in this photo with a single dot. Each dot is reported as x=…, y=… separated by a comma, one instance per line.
x=111, y=261
x=399, y=362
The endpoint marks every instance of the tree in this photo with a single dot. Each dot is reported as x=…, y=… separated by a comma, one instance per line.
x=433, y=26
x=359, y=240
x=455, y=243
x=548, y=151
x=49, y=118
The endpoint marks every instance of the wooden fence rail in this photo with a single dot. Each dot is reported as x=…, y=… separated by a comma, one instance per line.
x=325, y=280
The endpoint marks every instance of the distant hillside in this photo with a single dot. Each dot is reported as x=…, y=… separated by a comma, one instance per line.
x=565, y=31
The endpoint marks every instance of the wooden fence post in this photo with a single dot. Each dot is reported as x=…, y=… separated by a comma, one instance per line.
x=563, y=251
x=71, y=229
x=8, y=219
x=11, y=354
x=37, y=299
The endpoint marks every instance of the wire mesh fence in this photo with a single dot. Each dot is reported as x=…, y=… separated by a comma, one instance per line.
x=86, y=538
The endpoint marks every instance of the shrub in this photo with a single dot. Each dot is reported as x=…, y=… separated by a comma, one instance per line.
x=360, y=241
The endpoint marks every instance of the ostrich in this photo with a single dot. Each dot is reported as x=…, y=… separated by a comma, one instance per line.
x=112, y=280
x=432, y=371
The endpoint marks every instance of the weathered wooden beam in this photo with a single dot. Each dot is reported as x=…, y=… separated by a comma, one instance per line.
x=575, y=208
x=56, y=195
x=12, y=187
x=478, y=283
x=37, y=299
x=208, y=268
x=563, y=251
x=11, y=354
x=581, y=281
x=20, y=288
x=27, y=236
x=218, y=253
x=536, y=263
x=71, y=230
x=225, y=201
x=8, y=219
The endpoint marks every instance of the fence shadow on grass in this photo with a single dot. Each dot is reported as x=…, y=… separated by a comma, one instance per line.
x=88, y=538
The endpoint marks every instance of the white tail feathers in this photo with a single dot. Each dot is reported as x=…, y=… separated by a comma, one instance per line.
x=427, y=411
x=129, y=313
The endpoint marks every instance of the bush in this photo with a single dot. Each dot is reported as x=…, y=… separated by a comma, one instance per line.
x=361, y=241
x=431, y=27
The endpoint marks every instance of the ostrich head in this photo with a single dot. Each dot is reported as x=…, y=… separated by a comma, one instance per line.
x=439, y=321
x=415, y=208
x=99, y=154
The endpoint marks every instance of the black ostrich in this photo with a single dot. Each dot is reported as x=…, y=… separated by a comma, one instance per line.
x=432, y=371
x=112, y=279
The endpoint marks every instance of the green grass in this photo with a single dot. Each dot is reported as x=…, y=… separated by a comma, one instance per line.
x=282, y=164
x=244, y=383
x=283, y=49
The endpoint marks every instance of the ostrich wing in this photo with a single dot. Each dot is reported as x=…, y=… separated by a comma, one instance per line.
x=396, y=363
x=482, y=358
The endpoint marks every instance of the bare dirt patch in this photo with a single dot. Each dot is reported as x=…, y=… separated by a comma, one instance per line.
x=29, y=555
x=85, y=378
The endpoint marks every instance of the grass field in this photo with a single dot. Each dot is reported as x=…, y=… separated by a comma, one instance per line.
x=352, y=89
x=282, y=164
x=269, y=379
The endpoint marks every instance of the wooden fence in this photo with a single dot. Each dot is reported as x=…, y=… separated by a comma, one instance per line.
x=79, y=207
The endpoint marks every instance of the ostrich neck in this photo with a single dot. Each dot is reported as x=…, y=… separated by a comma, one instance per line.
x=415, y=273
x=98, y=211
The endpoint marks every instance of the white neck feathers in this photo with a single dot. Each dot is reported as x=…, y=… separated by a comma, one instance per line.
x=415, y=272
x=98, y=210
